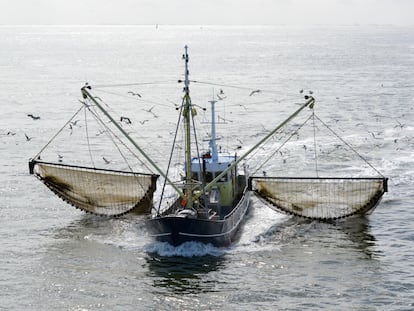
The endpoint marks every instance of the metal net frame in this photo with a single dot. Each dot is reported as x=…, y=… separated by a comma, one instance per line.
x=98, y=191
x=320, y=198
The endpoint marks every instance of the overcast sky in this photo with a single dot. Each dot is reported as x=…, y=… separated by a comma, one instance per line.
x=203, y=12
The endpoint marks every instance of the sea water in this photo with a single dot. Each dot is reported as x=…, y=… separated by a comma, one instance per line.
x=55, y=257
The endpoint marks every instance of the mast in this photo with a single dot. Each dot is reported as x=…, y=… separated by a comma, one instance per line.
x=213, y=139
x=187, y=118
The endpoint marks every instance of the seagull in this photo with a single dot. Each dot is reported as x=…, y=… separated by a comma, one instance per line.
x=106, y=160
x=223, y=119
x=74, y=122
x=243, y=106
x=301, y=91
x=27, y=137
x=126, y=120
x=60, y=157
x=253, y=92
x=220, y=97
x=33, y=117
x=373, y=135
x=134, y=94
x=221, y=92
x=400, y=125
x=150, y=111
x=143, y=121
x=11, y=133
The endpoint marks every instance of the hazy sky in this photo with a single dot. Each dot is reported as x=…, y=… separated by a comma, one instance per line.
x=202, y=12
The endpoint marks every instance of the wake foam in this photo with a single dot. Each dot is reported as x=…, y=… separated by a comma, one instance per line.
x=187, y=249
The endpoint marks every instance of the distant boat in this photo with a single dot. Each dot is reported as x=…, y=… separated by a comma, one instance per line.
x=213, y=197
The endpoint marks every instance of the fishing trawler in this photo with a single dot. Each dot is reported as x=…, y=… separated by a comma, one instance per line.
x=212, y=199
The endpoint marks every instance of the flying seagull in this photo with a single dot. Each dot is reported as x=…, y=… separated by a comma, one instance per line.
x=126, y=120
x=134, y=94
x=74, y=122
x=254, y=92
x=33, y=117
x=106, y=160
x=243, y=106
x=150, y=111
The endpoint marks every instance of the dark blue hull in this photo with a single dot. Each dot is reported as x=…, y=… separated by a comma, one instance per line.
x=220, y=232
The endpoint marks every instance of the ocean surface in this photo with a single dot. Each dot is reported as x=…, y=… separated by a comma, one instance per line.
x=55, y=257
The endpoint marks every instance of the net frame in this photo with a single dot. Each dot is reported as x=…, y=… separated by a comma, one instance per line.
x=140, y=200
x=326, y=202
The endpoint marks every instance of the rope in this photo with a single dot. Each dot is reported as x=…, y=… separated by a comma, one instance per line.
x=171, y=155
x=114, y=112
x=49, y=142
x=284, y=143
x=198, y=153
x=349, y=146
x=87, y=138
x=232, y=86
x=137, y=99
x=314, y=143
x=111, y=135
x=130, y=84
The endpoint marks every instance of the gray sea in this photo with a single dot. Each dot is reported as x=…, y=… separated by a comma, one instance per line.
x=55, y=257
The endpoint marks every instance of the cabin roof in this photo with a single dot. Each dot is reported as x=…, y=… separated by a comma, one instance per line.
x=222, y=163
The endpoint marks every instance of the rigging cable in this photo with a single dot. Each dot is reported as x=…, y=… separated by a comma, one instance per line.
x=138, y=99
x=70, y=120
x=111, y=135
x=230, y=86
x=130, y=84
x=111, y=109
x=87, y=138
x=170, y=159
x=280, y=147
x=350, y=147
x=314, y=143
x=198, y=152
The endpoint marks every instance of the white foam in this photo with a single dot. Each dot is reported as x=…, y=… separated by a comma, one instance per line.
x=187, y=249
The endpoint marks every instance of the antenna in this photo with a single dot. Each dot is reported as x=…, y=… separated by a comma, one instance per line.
x=212, y=142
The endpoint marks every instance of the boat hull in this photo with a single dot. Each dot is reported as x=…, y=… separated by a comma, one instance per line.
x=177, y=230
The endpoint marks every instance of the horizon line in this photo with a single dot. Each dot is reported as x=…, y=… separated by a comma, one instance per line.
x=201, y=25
